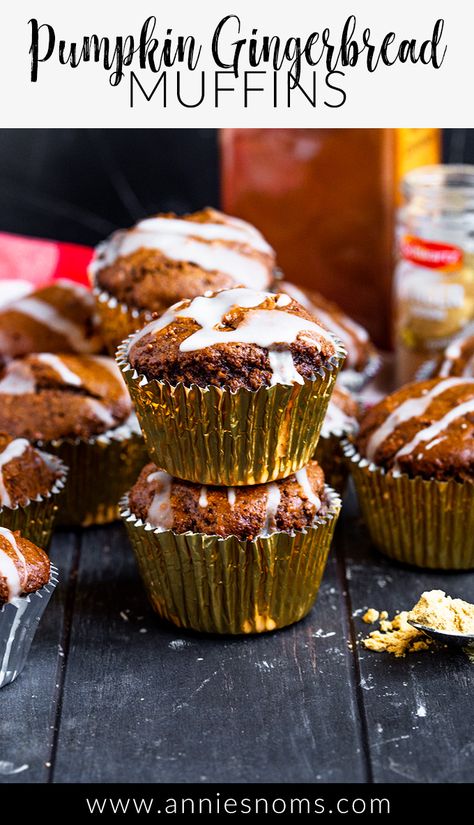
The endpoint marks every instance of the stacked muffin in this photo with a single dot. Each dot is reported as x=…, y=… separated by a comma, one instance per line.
x=231, y=523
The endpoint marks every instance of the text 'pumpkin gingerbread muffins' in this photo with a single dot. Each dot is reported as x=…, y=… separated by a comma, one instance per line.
x=231, y=559
x=165, y=258
x=413, y=466
x=78, y=408
x=30, y=481
x=27, y=580
x=232, y=387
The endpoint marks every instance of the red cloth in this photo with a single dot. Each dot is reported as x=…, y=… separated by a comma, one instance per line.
x=42, y=261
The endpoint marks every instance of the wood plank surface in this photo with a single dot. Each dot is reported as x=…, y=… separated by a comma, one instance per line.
x=30, y=706
x=144, y=701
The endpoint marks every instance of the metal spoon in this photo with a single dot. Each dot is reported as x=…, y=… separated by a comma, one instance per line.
x=462, y=640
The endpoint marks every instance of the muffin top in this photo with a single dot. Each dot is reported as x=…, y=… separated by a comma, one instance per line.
x=354, y=337
x=233, y=338
x=58, y=318
x=25, y=472
x=341, y=415
x=424, y=429
x=290, y=504
x=166, y=258
x=457, y=359
x=24, y=568
x=65, y=396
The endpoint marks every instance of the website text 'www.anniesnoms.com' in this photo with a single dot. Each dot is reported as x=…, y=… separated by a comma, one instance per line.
x=218, y=804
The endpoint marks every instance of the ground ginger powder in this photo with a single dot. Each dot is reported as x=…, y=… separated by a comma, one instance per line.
x=433, y=609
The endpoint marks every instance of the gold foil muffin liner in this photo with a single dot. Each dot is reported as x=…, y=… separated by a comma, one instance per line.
x=228, y=585
x=101, y=469
x=117, y=320
x=216, y=436
x=35, y=518
x=427, y=523
x=330, y=456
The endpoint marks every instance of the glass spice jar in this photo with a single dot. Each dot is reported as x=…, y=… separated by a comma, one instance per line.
x=434, y=277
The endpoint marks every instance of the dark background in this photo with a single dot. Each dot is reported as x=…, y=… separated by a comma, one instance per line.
x=79, y=184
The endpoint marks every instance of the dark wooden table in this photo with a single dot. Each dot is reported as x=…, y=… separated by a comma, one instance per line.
x=110, y=693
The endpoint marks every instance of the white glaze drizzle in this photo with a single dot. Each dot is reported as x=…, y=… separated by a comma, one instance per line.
x=18, y=379
x=231, y=497
x=13, y=450
x=60, y=368
x=303, y=481
x=101, y=412
x=411, y=408
x=8, y=568
x=203, y=502
x=453, y=352
x=46, y=314
x=283, y=367
x=337, y=421
x=199, y=243
x=358, y=332
x=433, y=431
x=271, y=508
x=160, y=513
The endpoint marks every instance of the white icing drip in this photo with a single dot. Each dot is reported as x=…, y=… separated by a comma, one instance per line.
x=271, y=509
x=8, y=568
x=203, y=502
x=13, y=450
x=411, y=408
x=303, y=481
x=283, y=367
x=50, y=317
x=12, y=290
x=231, y=497
x=199, y=243
x=21, y=603
x=100, y=411
x=435, y=442
x=160, y=513
x=431, y=432
x=18, y=379
x=57, y=364
x=337, y=421
x=452, y=352
x=350, y=326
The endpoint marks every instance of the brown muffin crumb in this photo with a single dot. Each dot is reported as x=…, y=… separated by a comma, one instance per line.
x=246, y=512
x=24, y=567
x=46, y=396
x=234, y=338
x=25, y=472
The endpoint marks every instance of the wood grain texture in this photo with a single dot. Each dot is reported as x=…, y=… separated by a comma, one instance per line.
x=167, y=706
x=29, y=707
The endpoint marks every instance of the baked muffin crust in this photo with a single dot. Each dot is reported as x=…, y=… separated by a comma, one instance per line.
x=24, y=567
x=25, y=472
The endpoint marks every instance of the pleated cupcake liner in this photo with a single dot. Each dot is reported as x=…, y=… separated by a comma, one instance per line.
x=355, y=380
x=36, y=517
x=216, y=436
x=117, y=320
x=101, y=469
x=427, y=523
x=229, y=585
x=19, y=620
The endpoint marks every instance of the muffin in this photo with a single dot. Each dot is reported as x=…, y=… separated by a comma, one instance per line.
x=362, y=360
x=457, y=359
x=57, y=318
x=340, y=421
x=163, y=259
x=413, y=465
x=231, y=560
x=30, y=481
x=27, y=580
x=231, y=387
x=78, y=408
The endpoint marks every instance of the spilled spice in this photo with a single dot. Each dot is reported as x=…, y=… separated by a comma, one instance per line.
x=433, y=609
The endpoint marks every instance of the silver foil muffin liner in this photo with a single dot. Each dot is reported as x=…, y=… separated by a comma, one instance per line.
x=355, y=380
x=229, y=585
x=427, y=523
x=36, y=517
x=213, y=435
x=19, y=620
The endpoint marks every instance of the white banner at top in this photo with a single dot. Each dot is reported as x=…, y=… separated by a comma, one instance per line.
x=237, y=63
